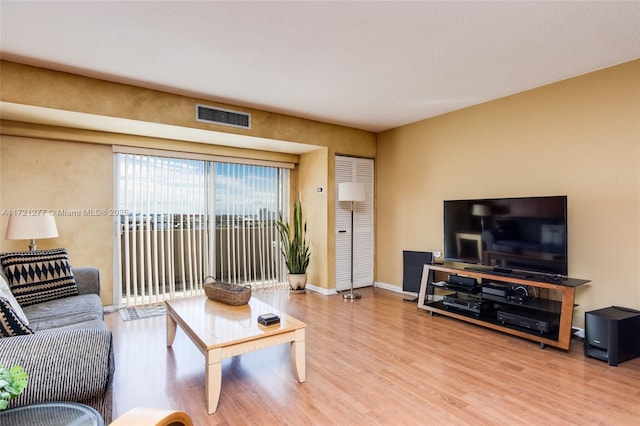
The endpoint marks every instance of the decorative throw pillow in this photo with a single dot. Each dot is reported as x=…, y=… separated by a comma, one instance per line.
x=5, y=292
x=10, y=323
x=39, y=276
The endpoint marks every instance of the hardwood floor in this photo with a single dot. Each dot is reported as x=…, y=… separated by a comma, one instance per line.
x=376, y=361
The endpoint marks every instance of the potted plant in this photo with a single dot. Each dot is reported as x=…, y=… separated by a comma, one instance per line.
x=12, y=382
x=295, y=248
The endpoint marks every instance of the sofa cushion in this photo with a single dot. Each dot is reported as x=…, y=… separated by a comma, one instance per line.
x=64, y=365
x=5, y=292
x=83, y=311
x=10, y=322
x=39, y=276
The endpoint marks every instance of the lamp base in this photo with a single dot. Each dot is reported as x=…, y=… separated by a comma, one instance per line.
x=352, y=295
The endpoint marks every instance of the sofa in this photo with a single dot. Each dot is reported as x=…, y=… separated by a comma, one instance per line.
x=67, y=349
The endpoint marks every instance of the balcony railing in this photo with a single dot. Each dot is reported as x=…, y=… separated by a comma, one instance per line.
x=158, y=261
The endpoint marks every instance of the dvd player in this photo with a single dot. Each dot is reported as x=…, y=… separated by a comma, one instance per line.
x=496, y=290
x=473, y=305
x=462, y=283
x=540, y=321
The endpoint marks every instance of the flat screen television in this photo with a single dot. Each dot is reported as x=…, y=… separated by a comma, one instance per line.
x=525, y=235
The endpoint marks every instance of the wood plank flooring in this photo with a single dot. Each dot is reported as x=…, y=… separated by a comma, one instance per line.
x=376, y=361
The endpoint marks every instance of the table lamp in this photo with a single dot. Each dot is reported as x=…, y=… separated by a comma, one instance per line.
x=31, y=227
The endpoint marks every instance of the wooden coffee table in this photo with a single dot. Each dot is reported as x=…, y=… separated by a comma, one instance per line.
x=221, y=331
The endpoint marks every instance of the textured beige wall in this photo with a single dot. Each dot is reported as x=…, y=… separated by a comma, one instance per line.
x=41, y=87
x=579, y=137
x=68, y=179
x=23, y=84
x=311, y=176
x=42, y=131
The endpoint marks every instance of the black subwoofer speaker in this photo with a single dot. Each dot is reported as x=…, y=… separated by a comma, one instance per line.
x=413, y=265
x=612, y=334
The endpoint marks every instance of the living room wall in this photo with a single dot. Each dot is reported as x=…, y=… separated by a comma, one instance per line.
x=51, y=90
x=74, y=181
x=579, y=137
x=313, y=175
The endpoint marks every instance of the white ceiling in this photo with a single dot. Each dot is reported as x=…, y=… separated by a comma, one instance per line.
x=369, y=65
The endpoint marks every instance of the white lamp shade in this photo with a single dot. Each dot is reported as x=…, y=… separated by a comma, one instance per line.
x=351, y=191
x=480, y=210
x=31, y=227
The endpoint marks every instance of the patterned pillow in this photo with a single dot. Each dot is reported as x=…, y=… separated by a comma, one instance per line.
x=5, y=292
x=39, y=276
x=10, y=323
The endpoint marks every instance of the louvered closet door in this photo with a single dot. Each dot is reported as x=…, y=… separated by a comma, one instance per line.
x=350, y=169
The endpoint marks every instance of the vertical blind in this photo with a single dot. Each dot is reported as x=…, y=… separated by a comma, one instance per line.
x=185, y=220
x=248, y=201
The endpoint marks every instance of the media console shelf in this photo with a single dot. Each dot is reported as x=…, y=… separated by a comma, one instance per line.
x=544, y=317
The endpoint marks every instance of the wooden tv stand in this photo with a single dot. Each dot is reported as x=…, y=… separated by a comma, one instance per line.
x=554, y=300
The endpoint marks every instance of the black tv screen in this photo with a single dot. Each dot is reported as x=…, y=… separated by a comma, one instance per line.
x=522, y=234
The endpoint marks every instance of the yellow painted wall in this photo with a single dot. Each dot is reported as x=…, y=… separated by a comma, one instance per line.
x=23, y=84
x=313, y=175
x=28, y=147
x=579, y=137
x=67, y=179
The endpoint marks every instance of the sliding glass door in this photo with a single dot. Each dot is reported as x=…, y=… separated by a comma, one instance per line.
x=184, y=220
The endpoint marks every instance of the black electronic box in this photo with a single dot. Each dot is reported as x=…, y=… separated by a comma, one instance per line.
x=543, y=322
x=268, y=319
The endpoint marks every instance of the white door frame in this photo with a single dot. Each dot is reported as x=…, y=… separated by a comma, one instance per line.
x=350, y=169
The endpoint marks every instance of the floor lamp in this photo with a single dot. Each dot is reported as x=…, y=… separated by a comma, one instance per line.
x=482, y=211
x=352, y=192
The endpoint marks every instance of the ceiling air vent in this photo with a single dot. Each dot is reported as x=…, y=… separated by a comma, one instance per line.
x=225, y=117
